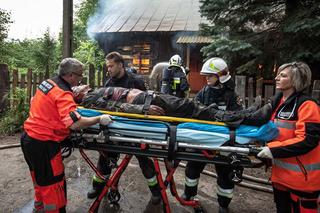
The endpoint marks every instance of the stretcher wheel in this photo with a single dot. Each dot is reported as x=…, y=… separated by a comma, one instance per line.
x=114, y=197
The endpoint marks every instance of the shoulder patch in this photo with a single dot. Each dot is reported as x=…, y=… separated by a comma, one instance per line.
x=45, y=87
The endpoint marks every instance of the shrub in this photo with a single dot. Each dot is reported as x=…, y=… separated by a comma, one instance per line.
x=12, y=120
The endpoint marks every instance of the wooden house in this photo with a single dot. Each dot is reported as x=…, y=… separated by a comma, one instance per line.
x=146, y=32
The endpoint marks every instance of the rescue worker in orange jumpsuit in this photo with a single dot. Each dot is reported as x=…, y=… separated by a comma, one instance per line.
x=296, y=151
x=52, y=115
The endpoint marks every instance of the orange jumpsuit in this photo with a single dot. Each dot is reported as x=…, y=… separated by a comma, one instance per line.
x=296, y=152
x=52, y=112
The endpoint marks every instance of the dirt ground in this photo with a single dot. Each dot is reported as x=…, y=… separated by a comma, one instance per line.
x=16, y=191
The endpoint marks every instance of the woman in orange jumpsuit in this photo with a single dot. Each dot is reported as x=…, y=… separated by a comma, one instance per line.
x=296, y=151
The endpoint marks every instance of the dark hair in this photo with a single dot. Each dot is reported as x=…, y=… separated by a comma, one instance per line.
x=116, y=57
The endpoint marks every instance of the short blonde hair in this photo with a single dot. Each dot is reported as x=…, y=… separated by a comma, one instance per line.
x=300, y=75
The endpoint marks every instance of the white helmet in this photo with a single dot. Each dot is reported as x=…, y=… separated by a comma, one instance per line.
x=175, y=61
x=216, y=66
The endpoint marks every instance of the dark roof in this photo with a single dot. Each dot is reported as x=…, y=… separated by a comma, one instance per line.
x=150, y=16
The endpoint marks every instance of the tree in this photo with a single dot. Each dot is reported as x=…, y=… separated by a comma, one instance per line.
x=84, y=11
x=5, y=20
x=45, y=54
x=266, y=32
x=86, y=49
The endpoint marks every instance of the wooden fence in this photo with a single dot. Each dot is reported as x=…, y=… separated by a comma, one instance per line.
x=247, y=88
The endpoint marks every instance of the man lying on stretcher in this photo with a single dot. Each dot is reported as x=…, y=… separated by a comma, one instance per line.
x=140, y=102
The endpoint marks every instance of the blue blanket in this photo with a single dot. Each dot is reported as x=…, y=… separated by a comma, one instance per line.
x=192, y=133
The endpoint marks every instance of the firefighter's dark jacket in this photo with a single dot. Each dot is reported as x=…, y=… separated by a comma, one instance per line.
x=52, y=111
x=128, y=80
x=174, y=82
x=296, y=151
x=223, y=95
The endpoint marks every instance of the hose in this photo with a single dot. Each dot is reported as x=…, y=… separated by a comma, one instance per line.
x=206, y=172
x=9, y=146
x=243, y=184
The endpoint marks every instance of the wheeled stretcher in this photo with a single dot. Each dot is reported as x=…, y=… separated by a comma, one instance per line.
x=169, y=139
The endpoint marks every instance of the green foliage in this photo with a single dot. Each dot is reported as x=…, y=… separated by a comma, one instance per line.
x=86, y=50
x=41, y=54
x=5, y=20
x=12, y=120
x=45, y=54
x=268, y=32
x=89, y=53
x=83, y=13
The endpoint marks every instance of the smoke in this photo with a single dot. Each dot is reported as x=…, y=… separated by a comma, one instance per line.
x=105, y=10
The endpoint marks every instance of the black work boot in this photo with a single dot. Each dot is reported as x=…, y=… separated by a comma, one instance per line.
x=223, y=203
x=190, y=192
x=97, y=188
x=155, y=194
x=255, y=106
x=259, y=117
x=235, y=118
x=223, y=209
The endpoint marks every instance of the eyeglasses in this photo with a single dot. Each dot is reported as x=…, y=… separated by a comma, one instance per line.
x=77, y=74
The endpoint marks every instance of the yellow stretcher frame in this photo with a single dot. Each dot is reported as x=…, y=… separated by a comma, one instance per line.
x=156, y=117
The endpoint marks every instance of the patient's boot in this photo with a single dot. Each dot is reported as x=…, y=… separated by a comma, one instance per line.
x=235, y=118
x=259, y=117
x=256, y=105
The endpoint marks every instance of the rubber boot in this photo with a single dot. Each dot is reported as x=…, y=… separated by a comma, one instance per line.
x=97, y=188
x=255, y=106
x=189, y=192
x=223, y=203
x=259, y=117
x=223, y=209
x=155, y=194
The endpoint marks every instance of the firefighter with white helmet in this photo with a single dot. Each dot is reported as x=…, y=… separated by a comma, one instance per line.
x=218, y=67
x=174, y=80
x=220, y=91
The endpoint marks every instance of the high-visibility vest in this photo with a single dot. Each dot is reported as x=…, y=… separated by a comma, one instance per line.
x=296, y=150
x=52, y=111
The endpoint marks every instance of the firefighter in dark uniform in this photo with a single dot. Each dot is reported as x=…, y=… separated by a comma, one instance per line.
x=174, y=80
x=52, y=115
x=119, y=77
x=220, y=91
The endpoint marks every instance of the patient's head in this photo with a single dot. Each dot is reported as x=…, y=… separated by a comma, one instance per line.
x=79, y=92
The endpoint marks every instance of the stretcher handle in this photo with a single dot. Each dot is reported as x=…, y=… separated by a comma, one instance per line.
x=254, y=150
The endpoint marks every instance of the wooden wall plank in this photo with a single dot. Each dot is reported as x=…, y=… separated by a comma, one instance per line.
x=250, y=91
x=91, y=76
x=23, y=81
x=240, y=89
x=29, y=84
x=316, y=90
x=4, y=86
